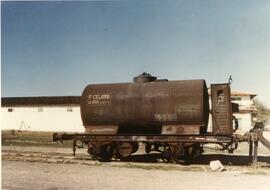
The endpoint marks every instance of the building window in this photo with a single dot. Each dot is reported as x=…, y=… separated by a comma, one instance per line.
x=40, y=109
x=69, y=109
x=234, y=98
x=10, y=110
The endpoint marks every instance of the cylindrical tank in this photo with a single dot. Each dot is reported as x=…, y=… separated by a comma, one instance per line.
x=144, y=104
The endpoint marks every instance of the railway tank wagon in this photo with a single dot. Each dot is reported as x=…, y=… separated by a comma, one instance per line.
x=146, y=106
x=170, y=117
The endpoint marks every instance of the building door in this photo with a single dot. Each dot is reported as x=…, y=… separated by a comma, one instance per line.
x=221, y=109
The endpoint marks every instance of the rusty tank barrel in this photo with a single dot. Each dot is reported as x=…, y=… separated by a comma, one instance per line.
x=146, y=105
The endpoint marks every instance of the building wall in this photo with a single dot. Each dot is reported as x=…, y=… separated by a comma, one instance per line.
x=246, y=107
x=51, y=118
x=244, y=100
x=244, y=121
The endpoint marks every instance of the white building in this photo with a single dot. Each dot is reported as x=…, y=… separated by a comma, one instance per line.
x=63, y=113
x=246, y=110
x=42, y=114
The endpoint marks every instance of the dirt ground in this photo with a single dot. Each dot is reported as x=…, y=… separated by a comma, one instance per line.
x=55, y=168
x=28, y=165
x=52, y=176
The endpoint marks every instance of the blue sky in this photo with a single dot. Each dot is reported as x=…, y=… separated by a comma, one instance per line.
x=57, y=48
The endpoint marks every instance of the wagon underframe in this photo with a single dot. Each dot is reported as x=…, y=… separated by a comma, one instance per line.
x=252, y=138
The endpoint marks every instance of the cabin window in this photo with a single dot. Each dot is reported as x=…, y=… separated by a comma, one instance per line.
x=220, y=97
x=69, y=109
x=10, y=110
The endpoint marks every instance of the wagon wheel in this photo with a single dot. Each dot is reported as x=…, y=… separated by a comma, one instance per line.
x=170, y=156
x=173, y=154
x=102, y=153
x=106, y=153
x=193, y=151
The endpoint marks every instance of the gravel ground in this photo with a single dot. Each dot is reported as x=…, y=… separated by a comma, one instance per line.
x=52, y=168
x=27, y=175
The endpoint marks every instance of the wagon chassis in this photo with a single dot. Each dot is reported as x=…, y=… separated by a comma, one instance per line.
x=228, y=142
x=143, y=138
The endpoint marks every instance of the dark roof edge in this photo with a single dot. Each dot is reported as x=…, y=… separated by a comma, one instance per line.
x=40, y=101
